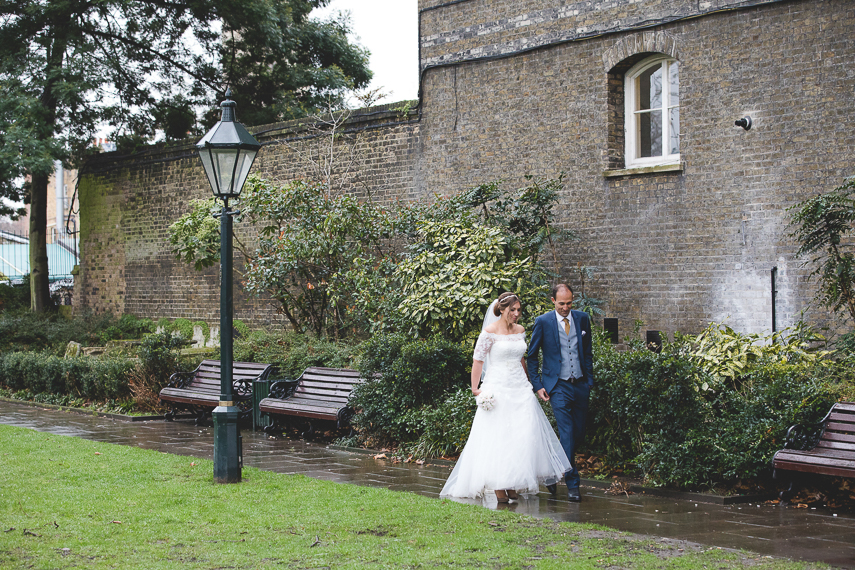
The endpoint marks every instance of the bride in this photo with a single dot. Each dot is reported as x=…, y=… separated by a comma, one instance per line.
x=511, y=449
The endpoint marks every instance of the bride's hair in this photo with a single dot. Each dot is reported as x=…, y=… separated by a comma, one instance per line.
x=504, y=301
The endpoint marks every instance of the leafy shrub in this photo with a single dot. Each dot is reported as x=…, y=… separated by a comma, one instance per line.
x=687, y=418
x=640, y=396
x=291, y=353
x=91, y=378
x=460, y=269
x=23, y=331
x=15, y=297
x=158, y=360
x=127, y=327
x=443, y=428
x=404, y=376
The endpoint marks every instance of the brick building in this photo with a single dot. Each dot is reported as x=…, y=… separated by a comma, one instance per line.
x=682, y=212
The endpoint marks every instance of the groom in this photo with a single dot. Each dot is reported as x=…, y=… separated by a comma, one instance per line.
x=567, y=375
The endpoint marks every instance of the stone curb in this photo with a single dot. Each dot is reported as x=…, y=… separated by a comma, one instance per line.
x=598, y=484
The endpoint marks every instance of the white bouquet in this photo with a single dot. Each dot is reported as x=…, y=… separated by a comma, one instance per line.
x=485, y=400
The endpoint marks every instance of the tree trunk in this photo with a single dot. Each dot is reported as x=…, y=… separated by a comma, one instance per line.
x=39, y=277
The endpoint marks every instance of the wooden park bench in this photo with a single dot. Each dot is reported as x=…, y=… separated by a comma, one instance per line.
x=825, y=448
x=199, y=391
x=318, y=394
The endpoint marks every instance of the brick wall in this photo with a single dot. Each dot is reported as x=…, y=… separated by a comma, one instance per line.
x=511, y=88
x=128, y=204
x=675, y=249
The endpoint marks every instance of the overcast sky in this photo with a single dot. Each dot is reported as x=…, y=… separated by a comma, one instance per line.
x=389, y=29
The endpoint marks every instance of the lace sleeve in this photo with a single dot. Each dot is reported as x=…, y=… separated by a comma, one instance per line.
x=482, y=347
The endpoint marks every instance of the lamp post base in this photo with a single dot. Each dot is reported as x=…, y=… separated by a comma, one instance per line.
x=227, y=468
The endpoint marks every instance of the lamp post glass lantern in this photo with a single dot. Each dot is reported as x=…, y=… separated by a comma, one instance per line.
x=227, y=152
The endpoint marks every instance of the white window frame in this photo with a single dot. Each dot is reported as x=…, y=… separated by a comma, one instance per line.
x=630, y=115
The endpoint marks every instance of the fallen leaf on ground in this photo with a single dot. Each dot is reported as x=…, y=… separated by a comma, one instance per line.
x=116, y=522
x=420, y=462
x=380, y=456
x=96, y=453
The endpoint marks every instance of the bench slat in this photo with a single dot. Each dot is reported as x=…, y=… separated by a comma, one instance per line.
x=837, y=426
x=327, y=385
x=826, y=444
x=819, y=470
x=297, y=408
x=833, y=436
x=332, y=371
x=842, y=416
x=837, y=457
x=340, y=401
x=847, y=406
x=330, y=379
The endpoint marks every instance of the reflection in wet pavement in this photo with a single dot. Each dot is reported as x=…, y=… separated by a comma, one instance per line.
x=766, y=529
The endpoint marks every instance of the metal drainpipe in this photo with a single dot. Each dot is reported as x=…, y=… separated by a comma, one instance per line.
x=774, y=297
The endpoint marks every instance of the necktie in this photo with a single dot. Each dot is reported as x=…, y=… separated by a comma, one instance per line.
x=566, y=326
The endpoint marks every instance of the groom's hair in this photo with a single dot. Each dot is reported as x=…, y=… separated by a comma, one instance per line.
x=558, y=287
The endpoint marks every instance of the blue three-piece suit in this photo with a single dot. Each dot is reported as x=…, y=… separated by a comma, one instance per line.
x=567, y=374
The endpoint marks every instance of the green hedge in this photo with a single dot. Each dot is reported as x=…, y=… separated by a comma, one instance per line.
x=91, y=378
x=291, y=353
x=408, y=378
x=648, y=410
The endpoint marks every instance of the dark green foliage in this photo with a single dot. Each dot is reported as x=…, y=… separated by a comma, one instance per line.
x=845, y=346
x=291, y=353
x=821, y=226
x=14, y=297
x=443, y=428
x=90, y=378
x=127, y=327
x=162, y=64
x=647, y=409
x=526, y=214
x=639, y=395
x=404, y=376
x=158, y=355
x=49, y=331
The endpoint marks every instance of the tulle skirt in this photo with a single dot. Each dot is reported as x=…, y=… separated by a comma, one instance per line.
x=511, y=446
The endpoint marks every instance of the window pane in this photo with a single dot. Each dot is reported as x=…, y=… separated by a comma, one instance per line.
x=649, y=136
x=674, y=81
x=674, y=127
x=649, y=89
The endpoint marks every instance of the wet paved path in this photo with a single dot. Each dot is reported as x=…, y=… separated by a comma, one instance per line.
x=815, y=535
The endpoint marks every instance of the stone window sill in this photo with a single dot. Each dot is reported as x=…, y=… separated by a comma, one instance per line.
x=678, y=167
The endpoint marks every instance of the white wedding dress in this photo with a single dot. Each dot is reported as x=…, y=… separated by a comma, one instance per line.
x=511, y=446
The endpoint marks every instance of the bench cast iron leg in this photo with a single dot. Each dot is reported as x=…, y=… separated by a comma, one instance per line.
x=201, y=417
x=308, y=433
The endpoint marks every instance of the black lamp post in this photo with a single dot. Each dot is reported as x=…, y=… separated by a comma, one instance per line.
x=227, y=152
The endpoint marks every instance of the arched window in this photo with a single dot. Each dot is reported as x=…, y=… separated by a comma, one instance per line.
x=652, y=114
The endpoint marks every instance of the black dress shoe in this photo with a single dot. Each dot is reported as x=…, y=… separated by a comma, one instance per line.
x=574, y=496
x=553, y=489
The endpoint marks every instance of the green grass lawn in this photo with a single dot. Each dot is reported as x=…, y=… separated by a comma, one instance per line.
x=71, y=503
